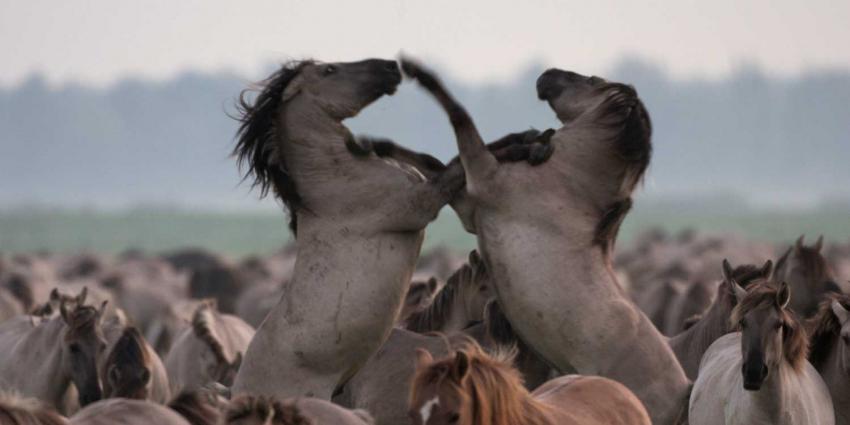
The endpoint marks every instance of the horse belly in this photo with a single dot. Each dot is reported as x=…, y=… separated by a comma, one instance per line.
x=564, y=302
x=336, y=311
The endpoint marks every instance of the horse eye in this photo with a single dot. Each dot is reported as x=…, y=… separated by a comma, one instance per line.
x=330, y=69
x=75, y=348
x=454, y=418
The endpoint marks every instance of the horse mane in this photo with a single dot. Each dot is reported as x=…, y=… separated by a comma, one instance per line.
x=194, y=408
x=825, y=328
x=265, y=408
x=203, y=323
x=608, y=227
x=795, y=342
x=498, y=328
x=623, y=112
x=494, y=387
x=15, y=410
x=434, y=317
x=258, y=136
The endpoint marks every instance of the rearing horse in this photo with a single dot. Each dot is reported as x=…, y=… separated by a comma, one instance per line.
x=359, y=208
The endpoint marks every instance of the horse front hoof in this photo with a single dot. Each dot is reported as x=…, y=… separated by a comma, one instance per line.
x=540, y=153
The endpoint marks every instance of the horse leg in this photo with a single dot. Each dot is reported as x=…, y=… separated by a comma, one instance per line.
x=477, y=160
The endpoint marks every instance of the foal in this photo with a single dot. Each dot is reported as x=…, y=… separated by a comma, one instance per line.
x=473, y=388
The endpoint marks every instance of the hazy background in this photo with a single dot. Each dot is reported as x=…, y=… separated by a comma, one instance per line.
x=114, y=133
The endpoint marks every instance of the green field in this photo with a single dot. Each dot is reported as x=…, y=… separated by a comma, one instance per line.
x=239, y=234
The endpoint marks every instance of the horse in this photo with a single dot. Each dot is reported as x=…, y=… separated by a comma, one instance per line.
x=126, y=412
x=471, y=387
x=209, y=351
x=759, y=375
x=42, y=358
x=830, y=351
x=381, y=385
x=810, y=277
x=251, y=410
x=459, y=303
x=690, y=345
x=566, y=302
x=134, y=370
x=358, y=217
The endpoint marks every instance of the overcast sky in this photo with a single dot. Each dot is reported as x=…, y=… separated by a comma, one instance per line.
x=99, y=41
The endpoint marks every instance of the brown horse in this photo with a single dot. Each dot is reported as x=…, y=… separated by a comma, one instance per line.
x=830, y=351
x=42, y=358
x=473, y=388
x=807, y=272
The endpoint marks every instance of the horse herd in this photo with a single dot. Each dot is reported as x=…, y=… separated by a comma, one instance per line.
x=543, y=324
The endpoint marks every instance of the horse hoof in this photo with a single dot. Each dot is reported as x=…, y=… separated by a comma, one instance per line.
x=540, y=153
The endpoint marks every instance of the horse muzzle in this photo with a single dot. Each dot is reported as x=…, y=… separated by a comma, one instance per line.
x=754, y=374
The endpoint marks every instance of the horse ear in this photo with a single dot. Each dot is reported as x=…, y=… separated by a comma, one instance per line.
x=81, y=299
x=113, y=375
x=433, y=283
x=727, y=270
x=767, y=269
x=63, y=311
x=102, y=308
x=819, y=244
x=54, y=295
x=840, y=312
x=423, y=358
x=237, y=361
x=145, y=375
x=799, y=244
x=292, y=89
x=460, y=366
x=783, y=296
x=474, y=257
x=739, y=291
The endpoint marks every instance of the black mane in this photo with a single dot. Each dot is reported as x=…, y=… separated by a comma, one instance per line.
x=623, y=111
x=257, y=138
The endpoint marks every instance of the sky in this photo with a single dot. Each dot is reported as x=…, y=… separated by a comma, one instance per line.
x=98, y=42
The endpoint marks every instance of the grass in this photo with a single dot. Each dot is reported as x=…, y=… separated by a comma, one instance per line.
x=240, y=234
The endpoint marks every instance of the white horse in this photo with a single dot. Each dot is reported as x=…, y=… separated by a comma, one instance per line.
x=760, y=376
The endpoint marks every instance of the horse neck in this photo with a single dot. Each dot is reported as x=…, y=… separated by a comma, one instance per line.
x=312, y=139
x=50, y=369
x=713, y=325
x=836, y=374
